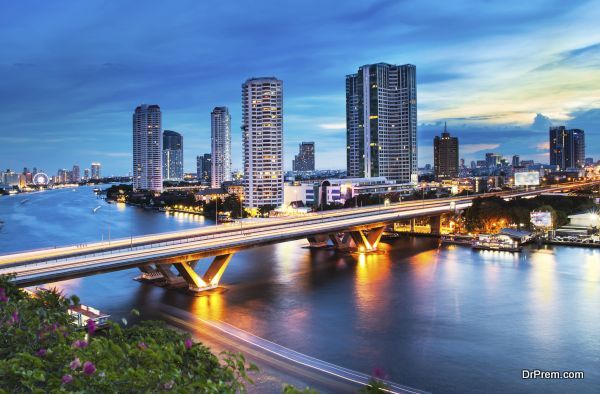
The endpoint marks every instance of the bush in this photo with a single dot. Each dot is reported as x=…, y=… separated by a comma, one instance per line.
x=42, y=351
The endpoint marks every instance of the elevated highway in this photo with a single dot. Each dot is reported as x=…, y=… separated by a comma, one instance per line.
x=157, y=254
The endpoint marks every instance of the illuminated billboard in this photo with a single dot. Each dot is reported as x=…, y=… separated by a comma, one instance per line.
x=541, y=219
x=529, y=178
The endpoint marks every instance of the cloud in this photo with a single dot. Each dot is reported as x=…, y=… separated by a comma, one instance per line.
x=333, y=126
x=545, y=145
x=472, y=148
x=541, y=122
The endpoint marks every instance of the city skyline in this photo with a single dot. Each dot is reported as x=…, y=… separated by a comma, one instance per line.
x=96, y=89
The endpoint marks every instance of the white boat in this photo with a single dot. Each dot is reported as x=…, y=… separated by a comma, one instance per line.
x=97, y=208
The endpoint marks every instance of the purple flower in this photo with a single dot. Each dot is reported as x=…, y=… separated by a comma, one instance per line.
x=142, y=346
x=3, y=297
x=14, y=318
x=188, y=343
x=80, y=344
x=379, y=373
x=41, y=353
x=76, y=363
x=66, y=379
x=169, y=385
x=89, y=368
x=91, y=326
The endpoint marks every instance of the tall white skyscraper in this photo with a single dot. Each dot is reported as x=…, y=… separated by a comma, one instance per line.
x=95, y=167
x=381, y=122
x=147, y=148
x=220, y=136
x=262, y=131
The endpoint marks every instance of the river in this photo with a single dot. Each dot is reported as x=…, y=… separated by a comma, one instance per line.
x=437, y=318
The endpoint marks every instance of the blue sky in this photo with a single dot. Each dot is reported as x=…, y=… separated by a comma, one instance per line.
x=72, y=72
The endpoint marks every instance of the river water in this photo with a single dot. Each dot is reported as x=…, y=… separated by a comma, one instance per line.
x=437, y=318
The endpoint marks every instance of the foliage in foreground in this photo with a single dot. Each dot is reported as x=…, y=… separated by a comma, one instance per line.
x=41, y=351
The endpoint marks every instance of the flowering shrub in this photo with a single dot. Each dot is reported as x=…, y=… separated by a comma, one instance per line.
x=42, y=351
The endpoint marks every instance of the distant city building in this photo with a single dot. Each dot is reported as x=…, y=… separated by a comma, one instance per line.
x=516, y=161
x=262, y=131
x=203, y=167
x=445, y=155
x=95, y=169
x=567, y=147
x=10, y=178
x=76, y=174
x=86, y=174
x=381, y=122
x=473, y=164
x=147, y=148
x=492, y=160
x=305, y=159
x=589, y=161
x=220, y=139
x=63, y=176
x=172, y=156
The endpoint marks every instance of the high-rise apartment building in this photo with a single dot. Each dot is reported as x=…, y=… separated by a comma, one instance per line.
x=262, y=131
x=95, y=169
x=147, y=148
x=381, y=122
x=567, y=147
x=76, y=174
x=203, y=167
x=516, y=161
x=220, y=142
x=86, y=174
x=445, y=155
x=305, y=159
x=172, y=156
x=492, y=160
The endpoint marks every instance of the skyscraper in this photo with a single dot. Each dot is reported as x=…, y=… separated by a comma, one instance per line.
x=262, y=132
x=172, y=156
x=516, y=161
x=203, y=167
x=220, y=139
x=445, y=155
x=86, y=174
x=567, y=147
x=95, y=168
x=76, y=174
x=305, y=159
x=147, y=148
x=381, y=122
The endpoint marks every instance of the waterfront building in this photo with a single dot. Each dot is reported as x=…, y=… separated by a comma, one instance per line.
x=305, y=159
x=262, y=131
x=445, y=155
x=172, y=156
x=567, y=147
x=147, y=148
x=220, y=142
x=95, y=170
x=86, y=174
x=381, y=122
x=204, y=167
x=76, y=174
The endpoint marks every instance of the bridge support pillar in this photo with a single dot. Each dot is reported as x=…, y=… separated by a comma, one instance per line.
x=318, y=241
x=367, y=242
x=149, y=273
x=170, y=278
x=211, y=277
x=412, y=225
x=435, y=224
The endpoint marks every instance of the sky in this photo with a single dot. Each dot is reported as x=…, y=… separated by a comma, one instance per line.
x=499, y=73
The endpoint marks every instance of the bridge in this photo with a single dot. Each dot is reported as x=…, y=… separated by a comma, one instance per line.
x=356, y=229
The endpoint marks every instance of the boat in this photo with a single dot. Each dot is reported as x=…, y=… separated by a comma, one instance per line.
x=457, y=239
x=96, y=209
x=498, y=242
x=97, y=190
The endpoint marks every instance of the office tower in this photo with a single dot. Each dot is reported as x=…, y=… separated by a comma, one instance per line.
x=473, y=164
x=35, y=171
x=86, y=174
x=203, y=167
x=147, y=148
x=567, y=147
x=305, y=159
x=62, y=175
x=516, y=161
x=172, y=156
x=220, y=142
x=95, y=170
x=462, y=163
x=445, y=155
x=492, y=160
x=262, y=132
x=589, y=161
x=381, y=122
x=76, y=174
